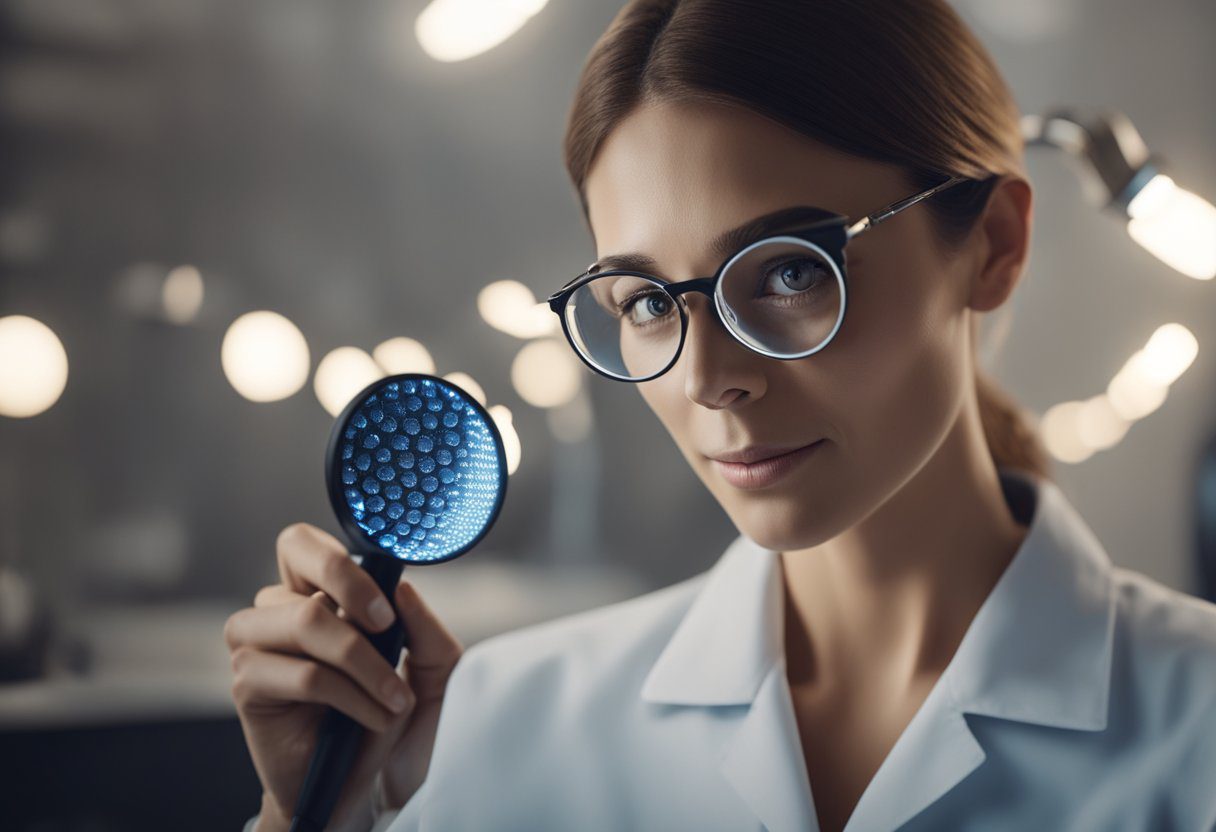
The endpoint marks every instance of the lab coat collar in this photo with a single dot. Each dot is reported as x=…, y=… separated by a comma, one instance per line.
x=729, y=638
x=1012, y=662
x=1041, y=645
x=1038, y=651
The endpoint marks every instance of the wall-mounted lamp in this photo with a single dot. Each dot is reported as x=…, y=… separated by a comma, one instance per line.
x=1175, y=225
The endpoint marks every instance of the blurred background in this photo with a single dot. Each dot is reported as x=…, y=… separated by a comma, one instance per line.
x=220, y=220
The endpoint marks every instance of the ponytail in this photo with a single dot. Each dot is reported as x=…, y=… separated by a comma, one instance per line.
x=1012, y=438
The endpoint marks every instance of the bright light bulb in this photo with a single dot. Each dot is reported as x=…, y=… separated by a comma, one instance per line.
x=404, y=355
x=509, y=306
x=182, y=294
x=545, y=374
x=33, y=366
x=341, y=375
x=264, y=356
x=1171, y=349
x=1176, y=226
x=1060, y=429
x=1132, y=393
x=1099, y=425
x=453, y=30
x=1142, y=383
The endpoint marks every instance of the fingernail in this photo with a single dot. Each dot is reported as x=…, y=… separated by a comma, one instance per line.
x=381, y=613
x=397, y=702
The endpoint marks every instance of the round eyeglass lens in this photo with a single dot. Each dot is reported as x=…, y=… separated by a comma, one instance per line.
x=783, y=296
x=626, y=325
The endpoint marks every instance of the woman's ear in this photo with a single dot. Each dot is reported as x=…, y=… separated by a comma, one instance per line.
x=1003, y=240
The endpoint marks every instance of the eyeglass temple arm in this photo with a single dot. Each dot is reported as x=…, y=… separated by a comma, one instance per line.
x=866, y=223
x=852, y=231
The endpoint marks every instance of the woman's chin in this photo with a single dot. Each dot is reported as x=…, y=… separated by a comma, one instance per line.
x=780, y=527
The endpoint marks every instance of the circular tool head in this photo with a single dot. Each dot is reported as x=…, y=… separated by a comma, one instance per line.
x=415, y=469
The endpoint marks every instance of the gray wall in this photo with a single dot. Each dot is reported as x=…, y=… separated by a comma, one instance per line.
x=310, y=159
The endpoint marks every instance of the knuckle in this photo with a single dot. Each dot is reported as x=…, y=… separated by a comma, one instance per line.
x=335, y=570
x=230, y=627
x=311, y=678
x=312, y=613
x=240, y=658
x=242, y=689
x=263, y=595
x=455, y=653
x=349, y=650
x=289, y=533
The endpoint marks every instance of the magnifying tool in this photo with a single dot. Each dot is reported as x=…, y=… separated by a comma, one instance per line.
x=416, y=472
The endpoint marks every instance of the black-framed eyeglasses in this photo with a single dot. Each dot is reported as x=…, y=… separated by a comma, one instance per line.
x=782, y=296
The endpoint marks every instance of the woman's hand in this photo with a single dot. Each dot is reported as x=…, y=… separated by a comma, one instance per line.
x=298, y=649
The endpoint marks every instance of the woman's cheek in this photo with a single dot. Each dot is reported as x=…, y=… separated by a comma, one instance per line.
x=898, y=374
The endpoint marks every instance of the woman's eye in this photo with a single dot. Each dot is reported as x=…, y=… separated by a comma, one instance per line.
x=646, y=306
x=794, y=276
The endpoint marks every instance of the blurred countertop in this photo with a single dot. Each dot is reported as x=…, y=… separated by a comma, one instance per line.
x=169, y=661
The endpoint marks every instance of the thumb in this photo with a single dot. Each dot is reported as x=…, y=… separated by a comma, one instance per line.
x=433, y=649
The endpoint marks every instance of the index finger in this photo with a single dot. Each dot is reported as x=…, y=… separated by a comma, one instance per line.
x=311, y=559
x=269, y=596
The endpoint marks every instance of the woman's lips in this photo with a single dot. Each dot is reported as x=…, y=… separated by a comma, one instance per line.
x=765, y=472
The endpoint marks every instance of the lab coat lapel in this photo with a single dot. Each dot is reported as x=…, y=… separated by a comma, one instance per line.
x=933, y=754
x=728, y=650
x=1038, y=651
x=763, y=760
x=728, y=639
x=1040, y=647
x=764, y=763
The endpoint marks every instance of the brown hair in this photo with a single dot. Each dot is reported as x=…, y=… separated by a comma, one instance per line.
x=903, y=82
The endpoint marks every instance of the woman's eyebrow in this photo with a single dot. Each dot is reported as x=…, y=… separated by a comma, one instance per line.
x=728, y=242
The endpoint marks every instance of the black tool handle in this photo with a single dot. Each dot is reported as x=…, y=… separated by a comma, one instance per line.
x=339, y=735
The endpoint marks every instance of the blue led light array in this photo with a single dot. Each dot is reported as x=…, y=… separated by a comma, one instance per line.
x=420, y=469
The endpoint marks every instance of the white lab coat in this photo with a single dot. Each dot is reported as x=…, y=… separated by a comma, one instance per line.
x=1082, y=697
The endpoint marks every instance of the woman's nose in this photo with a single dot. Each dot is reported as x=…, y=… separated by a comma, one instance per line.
x=718, y=371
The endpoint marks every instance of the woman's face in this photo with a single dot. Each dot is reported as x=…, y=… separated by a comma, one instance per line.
x=883, y=394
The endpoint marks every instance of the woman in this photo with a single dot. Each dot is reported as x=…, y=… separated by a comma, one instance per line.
x=914, y=628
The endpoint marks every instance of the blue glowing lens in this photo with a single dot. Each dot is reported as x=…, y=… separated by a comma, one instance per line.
x=417, y=467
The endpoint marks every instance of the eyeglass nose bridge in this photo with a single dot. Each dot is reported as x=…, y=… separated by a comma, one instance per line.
x=706, y=286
